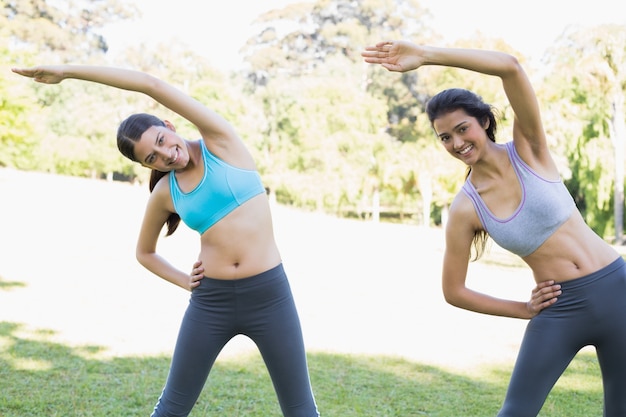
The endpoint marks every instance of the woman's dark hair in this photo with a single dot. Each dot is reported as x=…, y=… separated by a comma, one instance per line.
x=471, y=103
x=128, y=134
x=460, y=99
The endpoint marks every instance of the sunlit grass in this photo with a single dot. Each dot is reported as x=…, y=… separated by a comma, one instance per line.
x=39, y=377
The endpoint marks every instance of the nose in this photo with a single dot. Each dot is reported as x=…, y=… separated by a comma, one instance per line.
x=457, y=142
x=162, y=154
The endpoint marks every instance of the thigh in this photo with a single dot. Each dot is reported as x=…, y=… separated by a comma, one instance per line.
x=612, y=359
x=277, y=332
x=610, y=313
x=547, y=348
x=201, y=337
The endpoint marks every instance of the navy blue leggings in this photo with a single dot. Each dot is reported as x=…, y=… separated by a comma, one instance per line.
x=590, y=311
x=260, y=307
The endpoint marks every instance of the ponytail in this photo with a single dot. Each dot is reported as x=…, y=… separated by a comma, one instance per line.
x=174, y=219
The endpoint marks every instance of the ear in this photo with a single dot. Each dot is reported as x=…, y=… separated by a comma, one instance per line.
x=169, y=125
x=486, y=123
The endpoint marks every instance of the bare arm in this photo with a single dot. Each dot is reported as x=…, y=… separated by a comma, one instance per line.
x=157, y=211
x=459, y=235
x=216, y=131
x=528, y=130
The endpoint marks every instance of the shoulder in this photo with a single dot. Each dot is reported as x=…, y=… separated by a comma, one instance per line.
x=231, y=149
x=160, y=197
x=459, y=233
x=163, y=184
x=462, y=205
x=463, y=221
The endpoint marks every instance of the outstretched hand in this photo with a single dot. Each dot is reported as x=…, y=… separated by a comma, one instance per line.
x=42, y=74
x=543, y=295
x=399, y=56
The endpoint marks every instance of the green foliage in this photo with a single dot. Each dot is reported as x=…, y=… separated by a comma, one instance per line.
x=586, y=89
x=328, y=132
x=324, y=29
x=320, y=147
x=16, y=134
x=67, y=29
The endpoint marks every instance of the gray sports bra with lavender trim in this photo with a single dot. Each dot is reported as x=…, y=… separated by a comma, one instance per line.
x=544, y=207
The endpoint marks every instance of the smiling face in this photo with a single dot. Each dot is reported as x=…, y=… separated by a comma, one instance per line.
x=461, y=134
x=160, y=148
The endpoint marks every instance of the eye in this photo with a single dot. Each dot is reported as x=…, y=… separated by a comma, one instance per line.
x=444, y=138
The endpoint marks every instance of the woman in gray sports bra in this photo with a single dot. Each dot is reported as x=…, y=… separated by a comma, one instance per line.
x=514, y=194
x=238, y=285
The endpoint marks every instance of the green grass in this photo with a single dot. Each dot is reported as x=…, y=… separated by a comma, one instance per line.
x=39, y=377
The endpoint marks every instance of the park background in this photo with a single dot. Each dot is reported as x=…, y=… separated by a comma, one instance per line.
x=359, y=185
x=86, y=331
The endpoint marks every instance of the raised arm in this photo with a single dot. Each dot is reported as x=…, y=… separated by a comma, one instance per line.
x=211, y=126
x=528, y=133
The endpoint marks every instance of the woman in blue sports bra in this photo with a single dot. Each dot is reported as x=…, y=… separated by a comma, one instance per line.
x=513, y=193
x=238, y=285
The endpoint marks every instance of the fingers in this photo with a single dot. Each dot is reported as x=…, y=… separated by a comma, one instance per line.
x=197, y=273
x=23, y=71
x=44, y=75
x=384, y=54
x=543, y=295
x=547, y=289
x=380, y=46
x=384, y=44
x=380, y=50
x=374, y=55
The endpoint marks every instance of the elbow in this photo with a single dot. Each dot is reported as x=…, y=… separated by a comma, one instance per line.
x=512, y=64
x=450, y=300
x=142, y=257
x=452, y=297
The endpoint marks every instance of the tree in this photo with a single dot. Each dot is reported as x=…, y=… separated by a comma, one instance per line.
x=62, y=135
x=589, y=63
x=437, y=177
x=317, y=145
x=301, y=37
x=16, y=134
x=67, y=30
x=306, y=59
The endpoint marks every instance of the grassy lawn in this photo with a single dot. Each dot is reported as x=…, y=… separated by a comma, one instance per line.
x=43, y=378
x=85, y=331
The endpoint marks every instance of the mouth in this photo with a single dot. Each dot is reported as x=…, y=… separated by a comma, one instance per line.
x=174, y=158
x=465, y=150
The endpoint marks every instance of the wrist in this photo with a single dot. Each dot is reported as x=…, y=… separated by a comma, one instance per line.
x=528, y=310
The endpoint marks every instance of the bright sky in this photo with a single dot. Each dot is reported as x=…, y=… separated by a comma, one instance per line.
x=219, y=31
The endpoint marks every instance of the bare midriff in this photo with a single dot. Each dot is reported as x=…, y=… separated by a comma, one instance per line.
x=573, y=251
x=241, y=244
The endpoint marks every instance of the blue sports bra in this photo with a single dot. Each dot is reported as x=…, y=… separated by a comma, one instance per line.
x=222, y=188
x=545, y=206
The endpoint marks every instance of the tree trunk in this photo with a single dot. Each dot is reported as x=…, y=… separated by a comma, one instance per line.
x=376, y=206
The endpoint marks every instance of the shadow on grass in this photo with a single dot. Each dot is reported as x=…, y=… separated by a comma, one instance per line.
x=43, y=378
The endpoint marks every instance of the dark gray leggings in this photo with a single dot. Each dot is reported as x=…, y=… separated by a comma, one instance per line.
x=590, y=311
x=260, y=307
